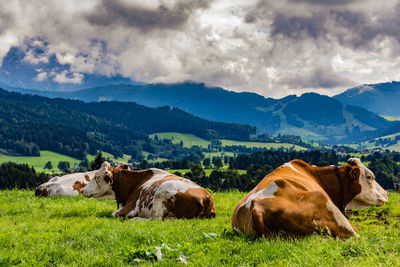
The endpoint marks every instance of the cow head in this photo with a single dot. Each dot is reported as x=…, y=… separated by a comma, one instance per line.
x=100, y=185
x=123, y=166
x=372, y=194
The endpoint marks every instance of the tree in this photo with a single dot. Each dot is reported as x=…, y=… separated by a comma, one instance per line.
x=207, y=162
x=84, y=163
x=97, y=162
x=63, y=165
x=48, y=165
x=218, y=163
x=144, y=164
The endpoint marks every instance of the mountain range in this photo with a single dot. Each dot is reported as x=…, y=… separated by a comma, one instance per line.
x=72, y=127
x=381, y=98
x=312, y=116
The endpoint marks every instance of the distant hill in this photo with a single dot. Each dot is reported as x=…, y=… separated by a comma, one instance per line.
x=312, y=116
x=381, y=98
x=71, y=127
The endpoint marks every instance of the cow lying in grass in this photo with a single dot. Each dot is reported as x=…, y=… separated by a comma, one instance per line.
x=151, y=193
x=67, y=185
x=298, y=199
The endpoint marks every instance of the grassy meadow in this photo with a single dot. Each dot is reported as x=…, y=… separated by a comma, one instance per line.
x=77, y=231
x=190, y=140
x=45, y=156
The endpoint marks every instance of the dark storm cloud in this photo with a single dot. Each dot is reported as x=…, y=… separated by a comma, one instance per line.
x=326, y=2
x=329, y=21
x=320, y=77
x=299, y=27
x=117, y=12
x=5, y=21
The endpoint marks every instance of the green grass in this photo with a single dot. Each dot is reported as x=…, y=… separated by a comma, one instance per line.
x=45, y=156
x=391, y=118
x=188, y=140
x=80, y=232
x=39, y=162
x=106, y=155
x=261, y=145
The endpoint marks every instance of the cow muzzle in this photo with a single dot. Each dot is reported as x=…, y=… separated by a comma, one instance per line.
x=85, y=193
x=41, y=192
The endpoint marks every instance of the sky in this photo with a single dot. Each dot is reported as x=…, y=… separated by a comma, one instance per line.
x=273, y=48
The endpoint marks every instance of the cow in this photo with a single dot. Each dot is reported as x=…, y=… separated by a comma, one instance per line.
x=298, y=199
x=151, y=194
x=67, y=185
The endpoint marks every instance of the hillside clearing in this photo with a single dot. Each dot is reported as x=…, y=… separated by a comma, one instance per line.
x=38, y=162
x=78, y=231
x=190, y=140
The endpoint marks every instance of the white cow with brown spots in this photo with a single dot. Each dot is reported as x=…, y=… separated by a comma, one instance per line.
x=298, y=199
x=151, y=193
x=66, y=185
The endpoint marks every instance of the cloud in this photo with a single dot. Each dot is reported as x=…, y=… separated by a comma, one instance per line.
x=65, y=77
x=270, y=47
x=145, y=15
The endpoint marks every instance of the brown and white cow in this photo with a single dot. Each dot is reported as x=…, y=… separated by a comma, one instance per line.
x=67, y=185
x=298, y=199
x=151, y=193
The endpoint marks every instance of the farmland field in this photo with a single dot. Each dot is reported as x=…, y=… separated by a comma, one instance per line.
x=38, y=162
x=190, y=140
x=78, y=231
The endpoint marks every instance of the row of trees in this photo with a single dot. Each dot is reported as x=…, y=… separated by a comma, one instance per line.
x=13, y=175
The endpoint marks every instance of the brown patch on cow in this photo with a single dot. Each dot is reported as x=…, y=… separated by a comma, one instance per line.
x=299, y=206
x=41, y=192
x=78, y=186
x=87, y=178
x=193, y=203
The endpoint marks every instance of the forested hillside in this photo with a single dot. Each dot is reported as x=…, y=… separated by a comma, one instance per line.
x=71, y=127
x=311, y=116
x=381, y=98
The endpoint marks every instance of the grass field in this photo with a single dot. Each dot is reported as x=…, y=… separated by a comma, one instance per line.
x=190, y=140
x=391, y=118
x=80, y=232
x=39, y=162
x=261, y=145
x=45, y=156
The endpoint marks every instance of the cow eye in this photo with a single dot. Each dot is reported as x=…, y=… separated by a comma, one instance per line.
x=370, y=177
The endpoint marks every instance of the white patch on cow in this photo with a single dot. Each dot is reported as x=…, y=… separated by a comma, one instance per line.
x=237, y=230
x=157, y=175
x=163, y=193
x=339, y=217
x=290, y=165
x=63, y=185
x=267, y=192
x=132, y=213
x=372, y=194
x=115, y=212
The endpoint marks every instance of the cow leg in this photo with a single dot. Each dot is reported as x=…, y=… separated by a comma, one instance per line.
x=299, y=213
x=125, y=210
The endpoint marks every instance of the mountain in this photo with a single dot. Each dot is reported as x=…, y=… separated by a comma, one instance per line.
x=381, y=98
x=29, y=123
x=312, y=116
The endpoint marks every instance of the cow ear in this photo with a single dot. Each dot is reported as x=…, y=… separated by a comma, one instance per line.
x=87, y=178
x=355, y=173
x=108, y=178
x=354, y=162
